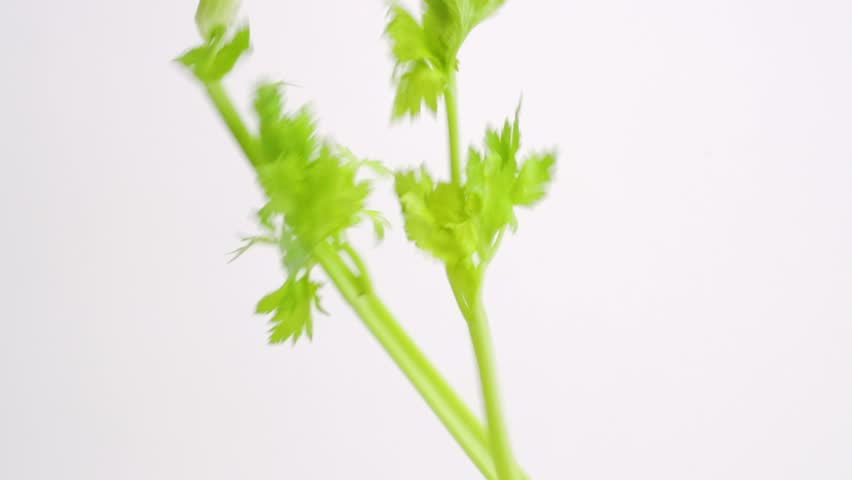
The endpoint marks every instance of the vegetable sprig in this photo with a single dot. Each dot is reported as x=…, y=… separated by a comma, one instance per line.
x=315, y=195
x=315, y=192
x=312, y=185
x=463, y=224
x=425, y=50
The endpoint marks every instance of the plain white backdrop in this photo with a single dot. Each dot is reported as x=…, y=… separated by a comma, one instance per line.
x=680, y=307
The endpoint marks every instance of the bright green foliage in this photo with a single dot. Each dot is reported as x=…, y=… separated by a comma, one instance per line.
x=534, y=177
x=314, y=194
x=437, y=218
x=313, y=188
x=418, y=85
x=319, y=198
x=462, y=224
x=312, y=183
x=282, y=134
x=425, y=50
x=215, y=14
x=213, y=60
x=291, y=307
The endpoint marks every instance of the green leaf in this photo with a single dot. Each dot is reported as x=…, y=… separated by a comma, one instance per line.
x=446, y=202
x=436, y=216
x=440, y=33
x=291, y=306
x=408, y=41
x=413, y=181
x=228, y=54
x=425, y=51
x=505, y=143
x=284, y=134
x=271, y=301
x=474, y=170
x=282, y=182
x=196, y=56
x=215, y=59
x=419, y=85
x=535, y=175
x=313, y=185
x=495, y=194
x=444, y=30
x=462, y=225
x=331, y=200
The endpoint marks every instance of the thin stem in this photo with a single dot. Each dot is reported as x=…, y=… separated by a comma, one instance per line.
x=226, y=109
x=498, y=433
x=453, y=129
x=447, y=406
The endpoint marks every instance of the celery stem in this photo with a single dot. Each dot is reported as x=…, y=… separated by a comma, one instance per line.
x=235, y=124
x=453, y=129
x=497, y=430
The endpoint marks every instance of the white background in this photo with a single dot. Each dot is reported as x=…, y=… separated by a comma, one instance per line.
x=679, y=308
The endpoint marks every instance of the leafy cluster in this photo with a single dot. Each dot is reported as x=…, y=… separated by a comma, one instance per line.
x=314, y=195
x=425, y=50
x=311, y=182
x=290, y=307
x=462, y=224
x=313, y=187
